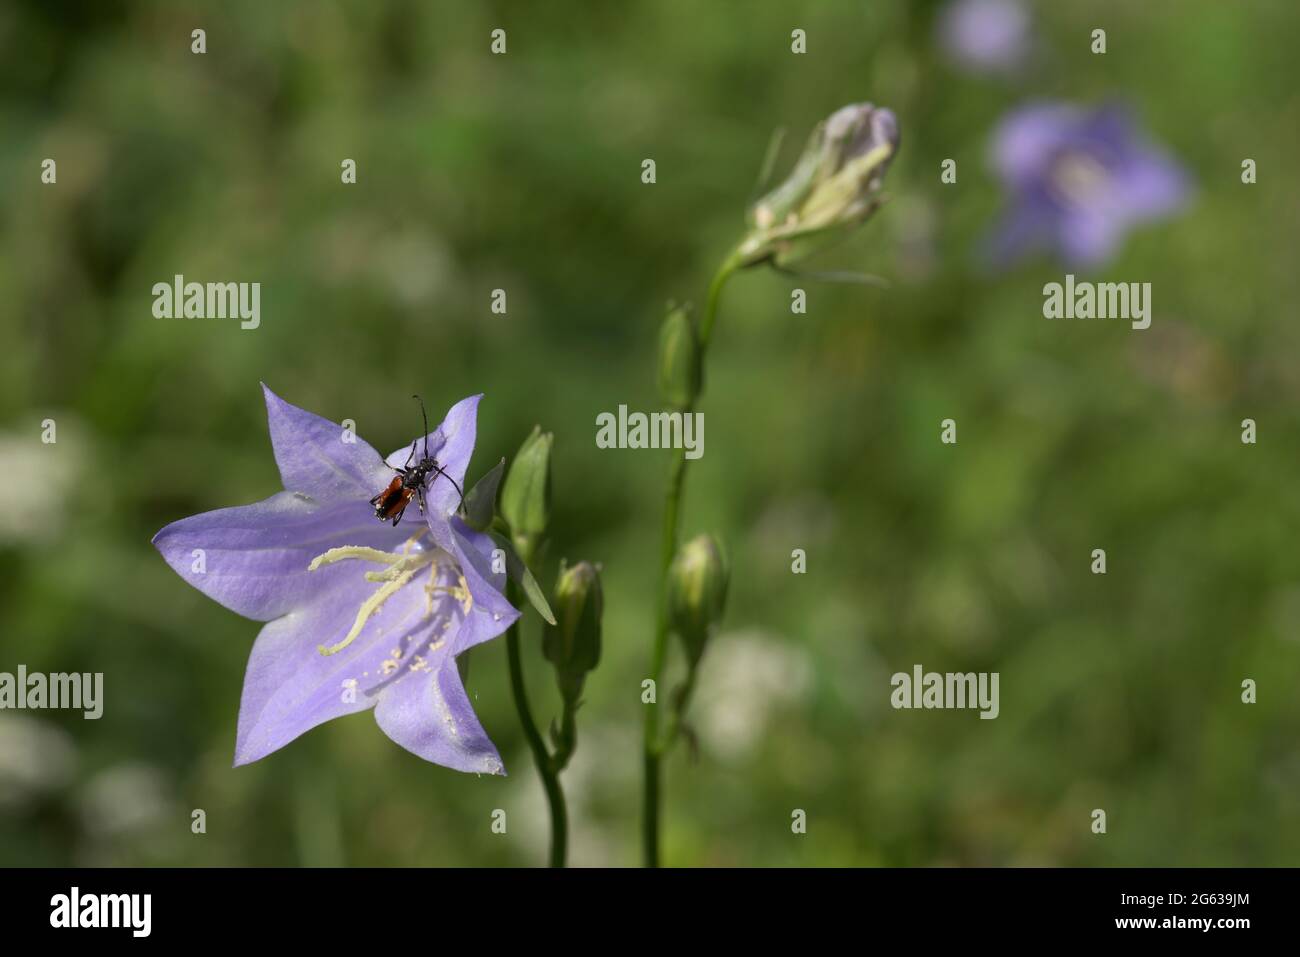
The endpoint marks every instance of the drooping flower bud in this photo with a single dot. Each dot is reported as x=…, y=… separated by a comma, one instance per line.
x=526, y=493
x=679, y=359
x=697, y=593
x=834, y=187
x=572, y=644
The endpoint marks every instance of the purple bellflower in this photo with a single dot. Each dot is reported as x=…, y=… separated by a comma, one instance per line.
x=988, y=36
x=359, y=613
x=1079, y=180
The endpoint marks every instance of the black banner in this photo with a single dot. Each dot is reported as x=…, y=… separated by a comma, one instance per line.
x=334, y=906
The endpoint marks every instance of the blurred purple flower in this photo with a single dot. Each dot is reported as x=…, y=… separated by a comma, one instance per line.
x=985, y=35
x=1079, y=180
x=360, y=614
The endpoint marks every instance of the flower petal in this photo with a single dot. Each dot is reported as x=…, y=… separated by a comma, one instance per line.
x=491, y=613
x=290, y=687
x=991, y=35
x=1151, y=185
x=1089, y=237
x=1026, y=141
x=431, y=716
x=314, y=457
x=253, y=558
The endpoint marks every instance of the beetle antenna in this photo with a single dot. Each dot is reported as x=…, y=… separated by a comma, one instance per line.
x=425, y=416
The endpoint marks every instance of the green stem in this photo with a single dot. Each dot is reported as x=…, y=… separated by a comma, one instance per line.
x=654, y=749
x=650, y=810
x=568, y=737
x=680, y=703
x=725, y=272
x=541, y=757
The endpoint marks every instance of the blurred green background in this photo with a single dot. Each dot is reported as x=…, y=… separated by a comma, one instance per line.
x=522, y=172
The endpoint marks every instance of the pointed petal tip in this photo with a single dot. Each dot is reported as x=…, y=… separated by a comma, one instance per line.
x=242, y=755
x=470, y=402
x=246, y=755
x=271, y=400
x=274, y=403
x=160, y=537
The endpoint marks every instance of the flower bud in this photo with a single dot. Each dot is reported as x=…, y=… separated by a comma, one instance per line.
x=572, y=644
x=526, y=493
x=679, y=359
x=834, y=187
x=697, y=593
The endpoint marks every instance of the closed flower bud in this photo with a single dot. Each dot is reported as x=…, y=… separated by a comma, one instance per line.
x=679, y=359
x=834, y=187
x=697, y=593
x=572, y=644
x=526, y=493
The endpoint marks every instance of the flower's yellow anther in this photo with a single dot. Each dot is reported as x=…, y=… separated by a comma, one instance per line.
x=389, y=573
x=458, y=591
x=401, y=569
x=353, y=551
x=368, y=608
x=428, y=590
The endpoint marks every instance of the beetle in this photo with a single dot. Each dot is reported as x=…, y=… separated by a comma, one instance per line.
x=409, y=481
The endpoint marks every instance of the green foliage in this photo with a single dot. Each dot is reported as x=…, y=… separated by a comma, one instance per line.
x=521, y=171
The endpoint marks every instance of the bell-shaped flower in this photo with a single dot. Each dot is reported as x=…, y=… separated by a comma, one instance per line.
x=1079, y=180
x=986, y=36
x=360, y=614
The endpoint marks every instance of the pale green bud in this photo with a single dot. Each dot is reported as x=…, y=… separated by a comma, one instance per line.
x=697, y=593
x=526, y=492
x=833, y=188
x=679, y=359
x=572, y=644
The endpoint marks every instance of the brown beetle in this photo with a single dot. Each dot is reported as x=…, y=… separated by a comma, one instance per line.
x=409, y=481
